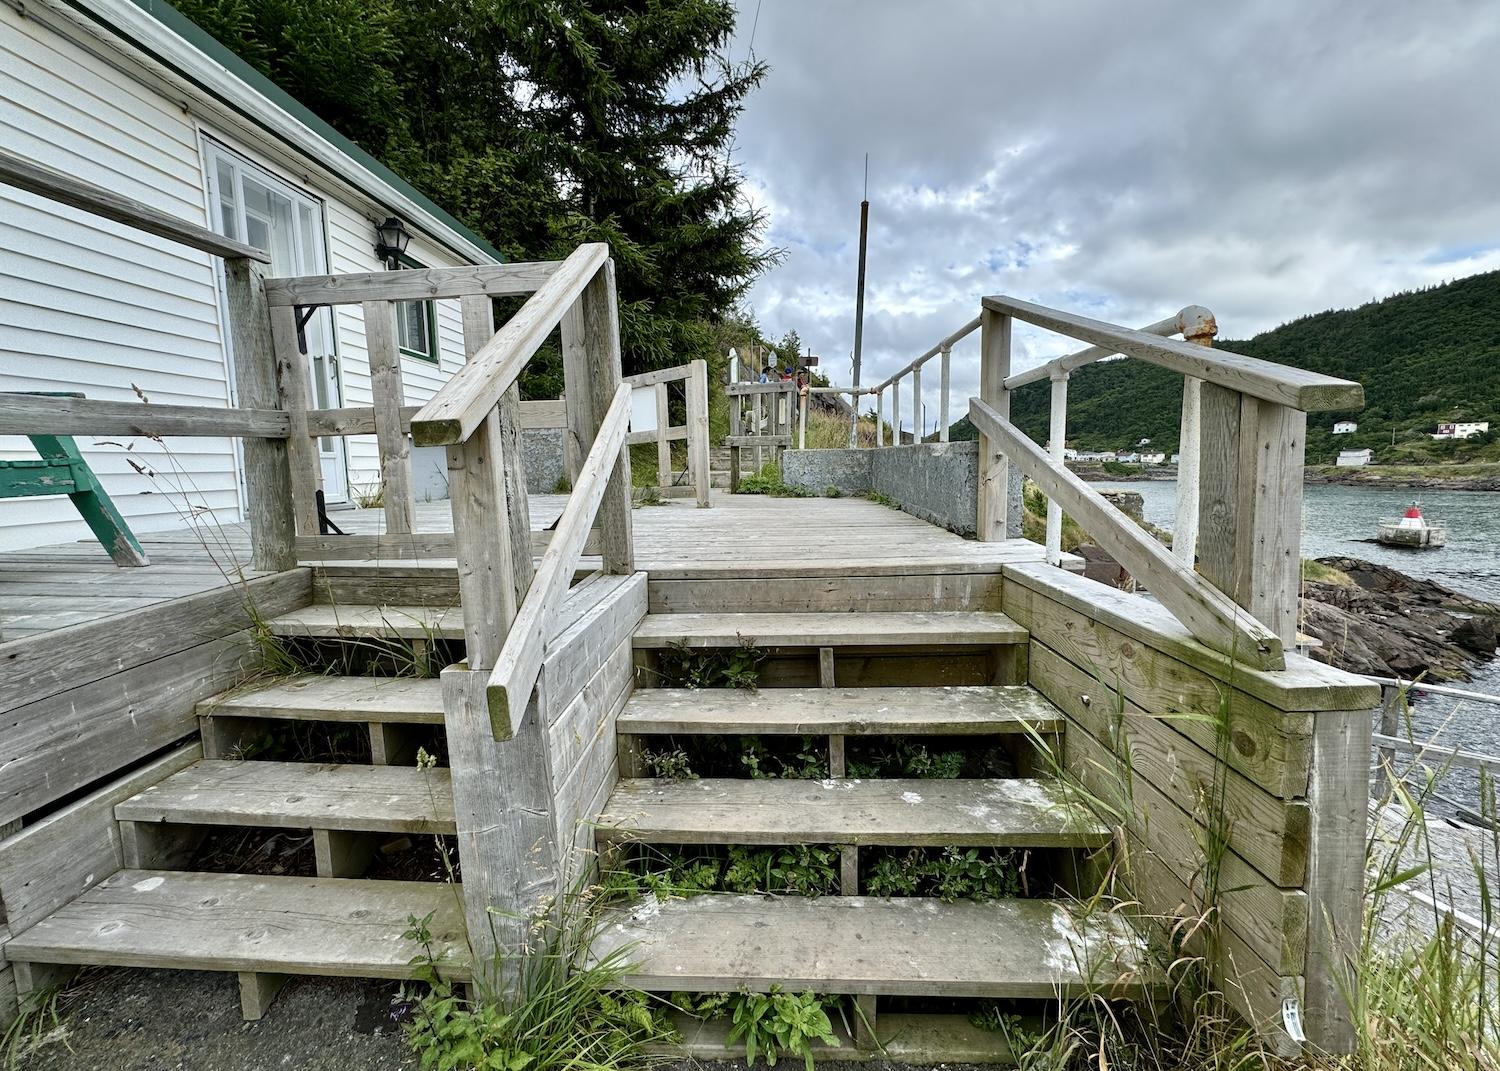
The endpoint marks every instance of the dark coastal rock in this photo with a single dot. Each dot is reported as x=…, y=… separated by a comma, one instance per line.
x=1475, y=634
x=1391, y=624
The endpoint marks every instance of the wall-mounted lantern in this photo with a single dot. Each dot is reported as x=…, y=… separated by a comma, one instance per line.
x=391, y=240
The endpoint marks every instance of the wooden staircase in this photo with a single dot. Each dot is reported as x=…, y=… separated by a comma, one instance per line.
x=842, y=675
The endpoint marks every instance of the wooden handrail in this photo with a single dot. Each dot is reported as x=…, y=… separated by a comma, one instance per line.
x=31, y=414
x=43, y=181
x=1208, y=613
x=467, y=399
x=412, y=284
x=519, y=664
x=1190, y=320
x=1307, y=391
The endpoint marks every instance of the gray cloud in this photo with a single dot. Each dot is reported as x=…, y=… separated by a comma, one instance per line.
x=1121, y=160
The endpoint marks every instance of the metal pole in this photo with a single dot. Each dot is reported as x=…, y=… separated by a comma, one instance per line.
x=859, y=297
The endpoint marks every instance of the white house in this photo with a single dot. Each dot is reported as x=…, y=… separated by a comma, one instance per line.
x=1155, y=458
x=135, y=98
x=1355, y=458
x=1462, y=429
x=1345, y=427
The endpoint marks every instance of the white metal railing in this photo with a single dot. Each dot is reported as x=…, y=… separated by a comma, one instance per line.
x=1393, y=694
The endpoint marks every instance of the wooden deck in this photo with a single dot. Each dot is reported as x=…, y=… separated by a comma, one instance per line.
x=46, y=588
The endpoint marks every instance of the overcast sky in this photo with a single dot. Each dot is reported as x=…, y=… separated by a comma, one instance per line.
x=1265, y=159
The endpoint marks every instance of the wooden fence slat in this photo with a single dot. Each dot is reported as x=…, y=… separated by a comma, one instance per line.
x=268, y=473
x=411, y=284
x=385, y=387
x=601, y=328
x=293, y=395
x=994, y=472
x=30, y=414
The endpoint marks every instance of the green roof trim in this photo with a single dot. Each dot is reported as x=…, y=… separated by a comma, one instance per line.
x=210, y=46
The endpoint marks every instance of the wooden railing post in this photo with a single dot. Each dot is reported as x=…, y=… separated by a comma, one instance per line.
x=1057, y=448
x=269, y=505
x=697, y=425
x=479, y=327
x=994, y=474
x=1200, y=329
x=944, y=384
x=292, y=394
x=1250, y=504
x=663, y=444
x=802, y=420
x=896, y=412
x=880, y=417
x=389, y=396
x=918, y=421
x=601, y=369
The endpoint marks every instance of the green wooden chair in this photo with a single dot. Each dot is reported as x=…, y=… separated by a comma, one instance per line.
x=61, y=470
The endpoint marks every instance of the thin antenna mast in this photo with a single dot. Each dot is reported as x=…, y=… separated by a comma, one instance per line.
x=859, y=306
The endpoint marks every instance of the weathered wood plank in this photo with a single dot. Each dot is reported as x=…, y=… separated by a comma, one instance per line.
x=293, y=396
x=952, y=711
x=389, y=396
x=267, y=463
x=911, y=628
x=486, y=568
x=1207, y=612
x=1269, y=746
x=818, y=594
x=606, y=616
x=1302, y=685
x=412, y=284
x=994, y=470
x=519, y=662
x=859, y=944
x=298, y=795
x=1310, y=392
x=1011, y=813
x=601, y=351
x=352, y=622
x=30, y=414
x=68, y=852
x=452, y=414
x=1270, y=833
x=241, y=922
x=54, y=185
x=316, y=697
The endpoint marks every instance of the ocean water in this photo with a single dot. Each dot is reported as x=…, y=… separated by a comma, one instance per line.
x=1337, y=520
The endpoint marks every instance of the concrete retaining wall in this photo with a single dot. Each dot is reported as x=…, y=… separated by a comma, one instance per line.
x=937, y=482
x=542, y=457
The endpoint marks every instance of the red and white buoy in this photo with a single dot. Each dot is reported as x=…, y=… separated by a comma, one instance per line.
x=1412, y=530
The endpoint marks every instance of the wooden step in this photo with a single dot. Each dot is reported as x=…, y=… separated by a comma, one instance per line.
x=371, y=622
x=299, y=795
x=1010, y=813
x=241, y=922
x=1022, y=949
x=399, y=700
x=931, y=628
x=948, y=711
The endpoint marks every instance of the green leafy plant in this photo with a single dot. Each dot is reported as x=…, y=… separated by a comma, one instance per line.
x=681, y=666
x=903, y=757
x=949, y=874
x=777, y=1024
x=809, y=761
x=37, y=1024
x=670, y=765
x=565, y=1010
x=796, y=869
x=768, y=481
x=834, y=491
x=882, y=500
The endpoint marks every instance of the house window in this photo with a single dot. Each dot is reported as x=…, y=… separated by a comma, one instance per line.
x=416, y=330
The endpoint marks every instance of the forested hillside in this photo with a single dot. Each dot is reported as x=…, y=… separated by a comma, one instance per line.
x=1423, y=356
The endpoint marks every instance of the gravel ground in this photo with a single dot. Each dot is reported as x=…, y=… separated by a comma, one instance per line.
x=137, y=1020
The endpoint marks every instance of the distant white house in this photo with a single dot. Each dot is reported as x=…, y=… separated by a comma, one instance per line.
x=1345, y=427
x=1128, y=457
x=134, y=97
x=1153, y=459
x=1354, y=459
x=1462, y=429
x=1176, y=458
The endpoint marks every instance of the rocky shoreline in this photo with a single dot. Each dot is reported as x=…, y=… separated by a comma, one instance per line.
x=1380, y=621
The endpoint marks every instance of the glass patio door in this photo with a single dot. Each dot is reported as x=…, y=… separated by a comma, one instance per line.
x=253, y=206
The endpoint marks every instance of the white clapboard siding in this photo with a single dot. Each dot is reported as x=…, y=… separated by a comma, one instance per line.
x=90, y=305
x=350, y=239
x=94, y=306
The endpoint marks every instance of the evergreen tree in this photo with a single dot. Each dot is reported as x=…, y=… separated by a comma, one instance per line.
x=542, y=124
